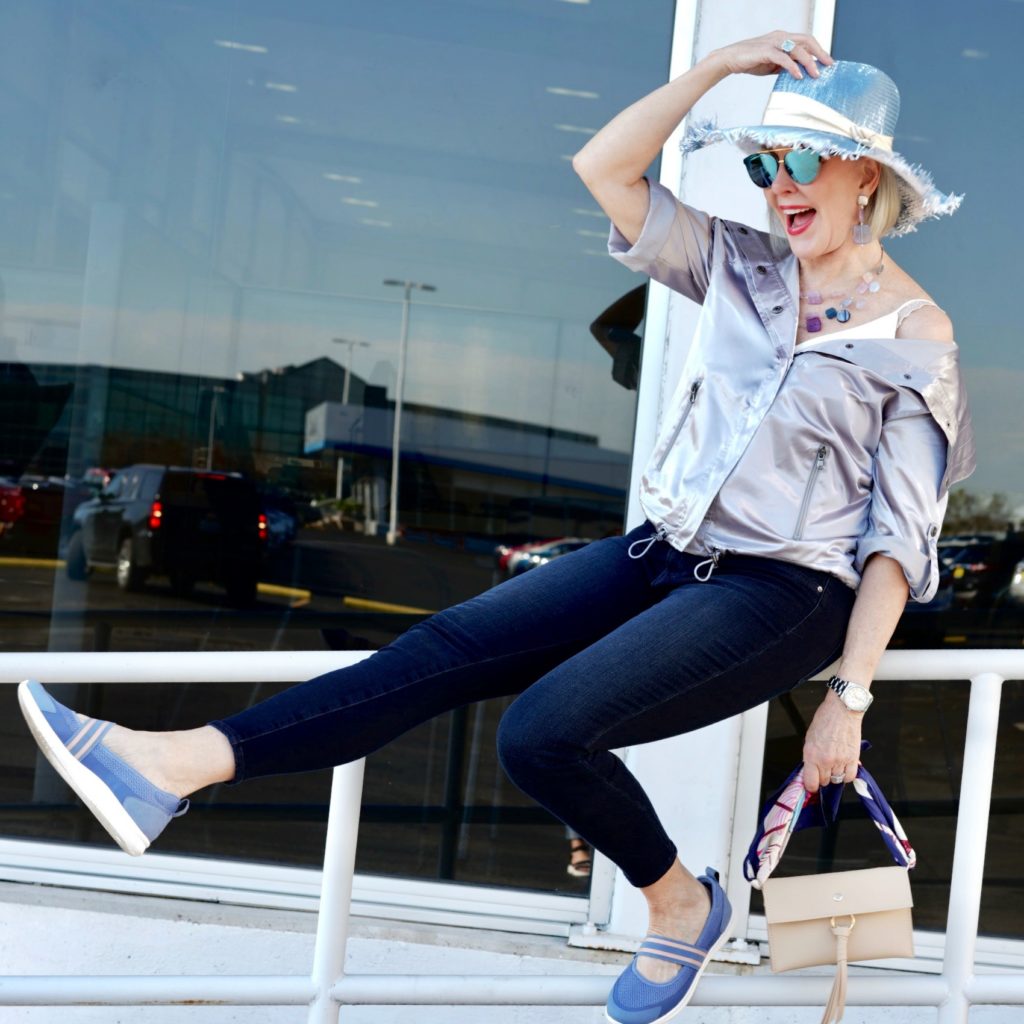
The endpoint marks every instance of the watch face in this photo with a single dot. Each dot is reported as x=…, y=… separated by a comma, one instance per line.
x=857, y=698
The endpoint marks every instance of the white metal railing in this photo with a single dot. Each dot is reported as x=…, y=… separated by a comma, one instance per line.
x=327, y=987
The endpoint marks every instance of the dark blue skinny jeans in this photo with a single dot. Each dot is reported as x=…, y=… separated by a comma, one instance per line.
x=605, y=651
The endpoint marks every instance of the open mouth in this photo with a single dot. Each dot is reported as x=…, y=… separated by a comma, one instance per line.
x=799, y=220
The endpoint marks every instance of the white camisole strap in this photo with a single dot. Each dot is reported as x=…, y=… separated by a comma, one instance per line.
x=910, y=307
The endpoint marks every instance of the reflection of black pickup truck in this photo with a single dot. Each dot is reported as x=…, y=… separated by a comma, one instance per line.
x=186, y=524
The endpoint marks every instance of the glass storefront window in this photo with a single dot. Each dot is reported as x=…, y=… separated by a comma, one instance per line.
x=205, y=210
x=955, y=69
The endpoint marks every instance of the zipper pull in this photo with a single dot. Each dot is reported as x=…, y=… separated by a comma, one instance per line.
x=819, y=462
x=694, y=388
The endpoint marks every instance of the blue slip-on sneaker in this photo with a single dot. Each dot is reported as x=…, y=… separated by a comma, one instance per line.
x=124, y=801
x=635, y=1000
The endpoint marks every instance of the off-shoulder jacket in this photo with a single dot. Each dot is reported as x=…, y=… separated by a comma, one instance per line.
x=822, y=456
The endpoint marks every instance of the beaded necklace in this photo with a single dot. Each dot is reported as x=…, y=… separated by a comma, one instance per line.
x=841, y=313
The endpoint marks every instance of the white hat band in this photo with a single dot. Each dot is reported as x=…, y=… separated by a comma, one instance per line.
x=791, y=110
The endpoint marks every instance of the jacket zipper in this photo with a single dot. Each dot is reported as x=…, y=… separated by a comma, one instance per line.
x=694, y=388
x=819, y=465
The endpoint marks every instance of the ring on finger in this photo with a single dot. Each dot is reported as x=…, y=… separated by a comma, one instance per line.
x=836, y=777
x=787, y=46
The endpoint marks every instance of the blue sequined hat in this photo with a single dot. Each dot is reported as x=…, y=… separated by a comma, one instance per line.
x=849, y=111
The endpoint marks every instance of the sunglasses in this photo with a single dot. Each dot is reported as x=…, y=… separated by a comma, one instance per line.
x=802, y=165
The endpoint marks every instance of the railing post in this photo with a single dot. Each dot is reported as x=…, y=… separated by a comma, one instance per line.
x=336, y=889
x=969, y=852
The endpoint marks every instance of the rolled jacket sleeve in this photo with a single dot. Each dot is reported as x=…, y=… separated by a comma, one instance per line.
x=906, y=510
x=674, y=247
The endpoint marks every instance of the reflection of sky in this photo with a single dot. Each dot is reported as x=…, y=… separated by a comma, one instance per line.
x=958, y=68
x=275, y=162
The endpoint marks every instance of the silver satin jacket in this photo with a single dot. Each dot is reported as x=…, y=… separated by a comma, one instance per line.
x=821, y=456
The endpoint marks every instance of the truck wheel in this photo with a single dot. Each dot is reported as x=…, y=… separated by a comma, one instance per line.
x=75, y=563
x=129, y=575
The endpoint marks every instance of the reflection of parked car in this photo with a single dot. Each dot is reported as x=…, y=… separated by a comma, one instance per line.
x=538, y=555
x=506, y=554
x=186, y=524
x=281, y=527
x=969, y=566
x=97, y=477
x=983, y=570
x=36, y=510
x=1015, y=592
x=282, y=516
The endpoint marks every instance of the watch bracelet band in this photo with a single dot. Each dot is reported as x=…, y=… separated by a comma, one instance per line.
x=838, y=685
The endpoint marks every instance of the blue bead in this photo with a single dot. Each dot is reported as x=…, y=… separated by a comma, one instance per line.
x=843, y=315
x=831, y=313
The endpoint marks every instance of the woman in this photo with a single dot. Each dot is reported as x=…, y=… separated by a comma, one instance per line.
x=793, y=502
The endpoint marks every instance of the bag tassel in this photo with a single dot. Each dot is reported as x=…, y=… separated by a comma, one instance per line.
x=837, y=1000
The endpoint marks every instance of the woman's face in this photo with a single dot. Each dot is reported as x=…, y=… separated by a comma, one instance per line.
x=819, y=217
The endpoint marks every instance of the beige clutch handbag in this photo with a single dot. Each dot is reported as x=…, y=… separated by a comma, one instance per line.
x=843, y=916
x=871, y=907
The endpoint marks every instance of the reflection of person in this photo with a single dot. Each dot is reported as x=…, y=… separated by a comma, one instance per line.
x=580, y=860
x=615, y=331
x=792, y=503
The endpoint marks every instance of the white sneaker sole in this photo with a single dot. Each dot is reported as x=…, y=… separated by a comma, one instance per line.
x=91, y=789
x=681, y=1005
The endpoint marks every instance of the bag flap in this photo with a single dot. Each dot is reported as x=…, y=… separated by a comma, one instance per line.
x=807, y=897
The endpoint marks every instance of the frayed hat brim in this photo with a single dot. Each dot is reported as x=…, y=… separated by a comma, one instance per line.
x=920, y=199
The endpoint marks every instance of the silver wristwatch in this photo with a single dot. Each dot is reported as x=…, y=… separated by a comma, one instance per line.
x=854, y=696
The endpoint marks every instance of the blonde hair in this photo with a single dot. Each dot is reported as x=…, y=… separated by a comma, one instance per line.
x=885, y=205
x=882, y=213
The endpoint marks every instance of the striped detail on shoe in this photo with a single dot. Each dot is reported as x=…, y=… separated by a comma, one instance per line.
x=672, y=951
x=91, y=732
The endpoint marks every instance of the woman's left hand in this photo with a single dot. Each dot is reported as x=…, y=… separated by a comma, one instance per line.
x=832, y=744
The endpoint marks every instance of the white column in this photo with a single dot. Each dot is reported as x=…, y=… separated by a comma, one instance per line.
x=692, y=779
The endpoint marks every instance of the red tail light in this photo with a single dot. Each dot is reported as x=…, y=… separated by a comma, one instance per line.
x=263, y=528
x=156, y=515
x=12, y=504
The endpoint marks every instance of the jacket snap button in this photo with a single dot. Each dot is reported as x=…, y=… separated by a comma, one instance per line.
x=744, y=231
x=849, y=344
x=906, y=376
x=761, y=269
x=776, y=310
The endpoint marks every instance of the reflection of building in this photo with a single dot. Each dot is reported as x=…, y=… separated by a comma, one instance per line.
x=460, y=471
x=473, y=473
x=150, y=416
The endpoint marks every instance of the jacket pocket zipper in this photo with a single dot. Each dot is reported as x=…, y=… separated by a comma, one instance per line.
x=819, y=464
x=694, y=388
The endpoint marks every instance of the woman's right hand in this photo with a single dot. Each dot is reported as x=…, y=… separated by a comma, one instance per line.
x=764, y=56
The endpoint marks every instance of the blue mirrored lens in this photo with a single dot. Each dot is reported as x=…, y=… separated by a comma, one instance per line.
x=762, y=168
x=802, y=165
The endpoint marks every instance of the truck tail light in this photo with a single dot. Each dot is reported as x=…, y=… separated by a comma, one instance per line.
x=263, y=527
x=156, y=515
x=12, y=504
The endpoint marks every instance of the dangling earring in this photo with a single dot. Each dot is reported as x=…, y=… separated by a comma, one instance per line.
x=861, y=231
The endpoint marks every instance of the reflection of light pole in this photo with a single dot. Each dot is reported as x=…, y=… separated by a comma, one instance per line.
x=352, y=345
x=217, y=390
x=400, y=384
